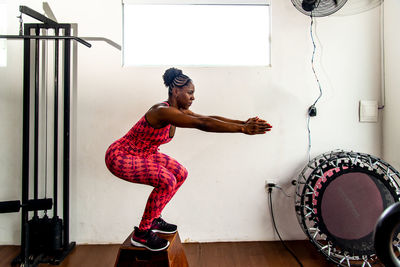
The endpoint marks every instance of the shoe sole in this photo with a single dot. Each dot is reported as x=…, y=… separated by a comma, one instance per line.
x=137, y=244
x=163, y=232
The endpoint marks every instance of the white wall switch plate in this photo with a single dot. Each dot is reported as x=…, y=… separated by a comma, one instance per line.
x=368, y=111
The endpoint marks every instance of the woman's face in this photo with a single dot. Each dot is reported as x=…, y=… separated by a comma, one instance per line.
x=185, y=96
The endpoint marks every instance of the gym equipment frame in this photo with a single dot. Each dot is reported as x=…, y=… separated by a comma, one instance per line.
x=44, y=240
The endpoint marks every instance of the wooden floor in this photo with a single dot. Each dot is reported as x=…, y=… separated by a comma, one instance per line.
x=229, y=254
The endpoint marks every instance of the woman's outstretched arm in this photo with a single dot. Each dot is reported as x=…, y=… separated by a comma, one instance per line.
x=189, y=112
x=228, y=120
x=170, y=115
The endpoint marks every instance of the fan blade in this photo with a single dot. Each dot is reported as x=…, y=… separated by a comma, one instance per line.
x=336, y=1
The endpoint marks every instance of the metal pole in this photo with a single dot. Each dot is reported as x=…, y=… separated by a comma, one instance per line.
x=55, y=157
x=67, y=66
x=25, y=149
x=36, y=15
x=46, y=38
x=36, y=135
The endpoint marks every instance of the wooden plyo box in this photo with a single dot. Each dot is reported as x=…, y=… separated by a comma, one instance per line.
x=173, y=256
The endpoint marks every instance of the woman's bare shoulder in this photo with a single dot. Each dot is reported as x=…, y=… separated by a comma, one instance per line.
x=157, y=107
x=158, y=113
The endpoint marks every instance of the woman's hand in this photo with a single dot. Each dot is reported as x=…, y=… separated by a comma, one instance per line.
x=255, y=118
x=256, y=126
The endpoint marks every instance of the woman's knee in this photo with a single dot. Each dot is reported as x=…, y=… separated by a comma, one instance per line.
x=182, y=174
x=179, y=171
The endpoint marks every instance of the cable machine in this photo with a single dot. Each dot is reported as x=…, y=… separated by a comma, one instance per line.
x=44, y=240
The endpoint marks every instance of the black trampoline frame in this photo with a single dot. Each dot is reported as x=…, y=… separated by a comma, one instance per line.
x=340, y=162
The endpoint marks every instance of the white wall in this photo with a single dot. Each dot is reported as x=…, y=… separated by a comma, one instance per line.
x=391, y=125
x=224, y=196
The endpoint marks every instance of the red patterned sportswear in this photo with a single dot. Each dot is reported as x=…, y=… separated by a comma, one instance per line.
x=135, y=158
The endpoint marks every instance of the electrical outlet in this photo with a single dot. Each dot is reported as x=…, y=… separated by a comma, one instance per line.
x=270, y=183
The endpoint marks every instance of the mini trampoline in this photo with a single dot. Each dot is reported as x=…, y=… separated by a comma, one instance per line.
x=339, y=198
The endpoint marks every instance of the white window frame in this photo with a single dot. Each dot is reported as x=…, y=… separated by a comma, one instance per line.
x=199, y=2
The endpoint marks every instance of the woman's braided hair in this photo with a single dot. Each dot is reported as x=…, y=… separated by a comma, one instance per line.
x=174, y=77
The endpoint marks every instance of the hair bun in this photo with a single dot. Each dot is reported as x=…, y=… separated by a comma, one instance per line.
x=170, y=74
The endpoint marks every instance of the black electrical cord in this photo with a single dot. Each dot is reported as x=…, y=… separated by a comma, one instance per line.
x=312, y=61
x=276, y=229
x=312, y=111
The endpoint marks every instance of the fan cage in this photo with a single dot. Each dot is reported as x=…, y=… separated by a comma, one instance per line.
x=335, y=162
x=322, y=7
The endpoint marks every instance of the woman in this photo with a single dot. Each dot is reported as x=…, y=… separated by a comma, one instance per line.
x=135, y=157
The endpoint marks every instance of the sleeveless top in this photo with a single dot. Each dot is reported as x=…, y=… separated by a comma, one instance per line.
x=144, y=140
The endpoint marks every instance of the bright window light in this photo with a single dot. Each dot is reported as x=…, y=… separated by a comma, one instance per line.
x=196, y=35
x=3, y=30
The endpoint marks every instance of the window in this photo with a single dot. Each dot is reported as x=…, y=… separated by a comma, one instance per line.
x=196, y=34
x=3, y=30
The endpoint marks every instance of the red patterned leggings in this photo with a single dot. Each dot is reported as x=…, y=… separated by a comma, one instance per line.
x=161, y=171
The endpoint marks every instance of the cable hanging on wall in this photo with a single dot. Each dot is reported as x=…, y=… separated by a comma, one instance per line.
x=312, y=110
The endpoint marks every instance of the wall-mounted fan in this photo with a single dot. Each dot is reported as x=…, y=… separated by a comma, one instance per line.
x=318, y=8
x=358, y=6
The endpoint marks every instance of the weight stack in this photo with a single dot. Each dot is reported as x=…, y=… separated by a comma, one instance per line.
x=45, y=235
